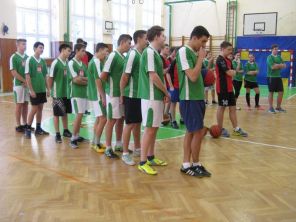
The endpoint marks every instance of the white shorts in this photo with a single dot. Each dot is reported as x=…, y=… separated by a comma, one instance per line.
x=115, y=110
x=152, y=112
x=21, y=94
x=79, y=105
x=98, y=108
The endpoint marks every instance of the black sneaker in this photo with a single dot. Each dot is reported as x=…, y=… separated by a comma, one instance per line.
x=40, y=131
x=20, y=129
x=80, y=139
x=202, y=170
x=58, y=138
x=174, y=125
x=109, y=153
x=74, y=144
x=191, y=172
x=28, y=133
x=67, y=133
x=214, y=102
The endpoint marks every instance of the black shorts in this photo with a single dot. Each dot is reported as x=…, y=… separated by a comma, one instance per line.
x=237, y=87
x=226, y=99
x=61, y=106
x=193, y=113
x=39, y=99
x=132, y=110
x=275, y=84
x=251, y=85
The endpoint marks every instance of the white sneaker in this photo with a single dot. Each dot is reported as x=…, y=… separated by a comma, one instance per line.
x=127, y=159
x=137, y=153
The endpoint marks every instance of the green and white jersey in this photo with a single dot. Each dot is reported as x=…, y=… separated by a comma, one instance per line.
x=271, y=60
x=251, y=67
x=17, y=62
x=150, y=62
x=77, y=68
x=95, y=67
x=60, y=73
x=132, y=67
x=37, y=70
x=206, y=63
x=238, y=76
x=186, y=59
x=114, y=68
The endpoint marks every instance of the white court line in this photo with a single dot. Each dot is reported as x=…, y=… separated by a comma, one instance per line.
x=262, y=144
x=290, y=97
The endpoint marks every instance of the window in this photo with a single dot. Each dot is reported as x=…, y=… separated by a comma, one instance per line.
x=151, y=15
x=86, y=22
x=35, y=19
x=123, y=14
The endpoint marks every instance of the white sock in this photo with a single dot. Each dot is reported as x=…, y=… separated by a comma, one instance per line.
x=118, y=143
x=186, y=165
x=196, y=164
x=74, y=137
x=125, y=153
x=236, y=128
x=137, y=149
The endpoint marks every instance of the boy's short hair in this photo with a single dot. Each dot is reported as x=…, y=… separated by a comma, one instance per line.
x=21, y=40
x=274, y=46
x=138, y=34
x=153, y=32
x=199, y=31
x=64, y=46
x=79, y=46
x=225, y=44
x=101, y=45
x=36, y=44
x=124, y=38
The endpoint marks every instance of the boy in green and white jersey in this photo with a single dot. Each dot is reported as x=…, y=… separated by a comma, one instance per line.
x=17, y=65
x=111, y=74
x=129, y=94
x=251, y=72
x=274, y=80
x=96, y=94
x=79, y=100
x=153, y=94
x=58, y=83
x=36, y=77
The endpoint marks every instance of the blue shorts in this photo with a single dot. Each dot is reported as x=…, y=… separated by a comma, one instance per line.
x=193, y=113
x=174, y=95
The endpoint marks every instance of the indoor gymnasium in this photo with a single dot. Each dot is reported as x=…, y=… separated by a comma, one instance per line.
x=147, y=110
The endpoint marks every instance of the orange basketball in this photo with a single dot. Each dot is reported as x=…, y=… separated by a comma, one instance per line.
x=209, y=78
x=215, y=131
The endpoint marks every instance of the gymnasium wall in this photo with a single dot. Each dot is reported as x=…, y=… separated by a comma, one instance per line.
x=286, y=21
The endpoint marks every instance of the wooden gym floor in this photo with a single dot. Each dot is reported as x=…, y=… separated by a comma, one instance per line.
x=253, y=179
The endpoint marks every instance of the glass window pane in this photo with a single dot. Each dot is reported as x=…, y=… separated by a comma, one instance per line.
x=44, y=23
x=30, y=43
x=89, y=8
x=77, y=28
x=26, y=3
x=46, y=52
x=90, y=46
x=30, y=22
x=78, y=7
x=89, y=28
x=19, y=21
x=43, y=4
